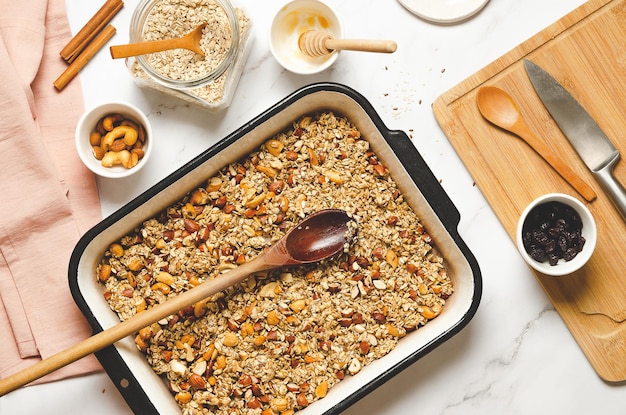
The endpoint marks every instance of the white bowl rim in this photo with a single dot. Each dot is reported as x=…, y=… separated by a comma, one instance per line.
x=84, y=150
x=314, y=68
x=590, y=232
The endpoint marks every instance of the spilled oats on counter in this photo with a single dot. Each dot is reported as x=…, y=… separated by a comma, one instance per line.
x=281, y=340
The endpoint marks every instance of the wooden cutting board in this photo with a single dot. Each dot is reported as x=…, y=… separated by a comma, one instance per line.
x=586, y=52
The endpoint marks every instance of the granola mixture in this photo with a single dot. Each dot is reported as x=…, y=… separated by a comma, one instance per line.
x=279, y=341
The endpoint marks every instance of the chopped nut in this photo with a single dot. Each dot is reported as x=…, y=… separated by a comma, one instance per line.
x=200, y=367
x=135, y=264
x=301, y=400
x=141, y=305
x=391, y=258
x=197, y=382
x=259, y=340
x=321, y=390
x=116, y=250
x=256, y=201
x=230, y=339
x=162, y=287
x=178, y=367
x=312, y=157
x=271, y=172
x=394, y=331
x=220, y=362
x=298, y=305
x=104, y=273
x=199, y=197
x=272, y=318
x=379, y=284
x=279, y=404
x=334, y=176
x=268, y=290
x=183, y=397
x=191, y=226
x=165, y=278
x=291, y=155
x=274, y=147
x=427, y=313
x=354, y=367
x=215, y=183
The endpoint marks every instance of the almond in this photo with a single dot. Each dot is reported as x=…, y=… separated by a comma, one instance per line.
x=197, y=381
x=191, y=225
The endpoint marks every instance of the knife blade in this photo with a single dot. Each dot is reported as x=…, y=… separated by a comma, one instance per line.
x=584, y=134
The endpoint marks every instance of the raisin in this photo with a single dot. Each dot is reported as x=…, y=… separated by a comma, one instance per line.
x=553, y=231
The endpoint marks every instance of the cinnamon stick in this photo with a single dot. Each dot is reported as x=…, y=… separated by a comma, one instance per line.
x=84, y=57
x=99, y=20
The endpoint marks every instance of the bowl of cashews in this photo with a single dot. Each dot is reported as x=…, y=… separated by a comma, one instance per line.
x=114, y=139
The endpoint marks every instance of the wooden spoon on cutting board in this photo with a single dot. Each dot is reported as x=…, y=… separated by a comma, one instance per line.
x=318, y=237
x=498, y=107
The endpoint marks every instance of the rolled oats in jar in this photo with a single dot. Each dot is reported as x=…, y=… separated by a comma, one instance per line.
x=208, y=81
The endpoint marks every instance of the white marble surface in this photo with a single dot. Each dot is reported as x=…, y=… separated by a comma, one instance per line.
x=516, y=356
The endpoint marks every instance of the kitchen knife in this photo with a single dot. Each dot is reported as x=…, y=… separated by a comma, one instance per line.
x=589, y=141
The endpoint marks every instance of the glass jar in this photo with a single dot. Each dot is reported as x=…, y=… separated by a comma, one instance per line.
x=208, y=81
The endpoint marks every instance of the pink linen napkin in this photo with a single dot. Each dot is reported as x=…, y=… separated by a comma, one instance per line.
x=48, y=198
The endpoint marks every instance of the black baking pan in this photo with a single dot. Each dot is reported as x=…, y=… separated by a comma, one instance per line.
x=144, y=391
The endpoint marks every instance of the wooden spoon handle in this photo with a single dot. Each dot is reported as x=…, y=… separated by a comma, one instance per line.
x=130, y=326
x=363, y=45
x=557, y=164
x=143, y=48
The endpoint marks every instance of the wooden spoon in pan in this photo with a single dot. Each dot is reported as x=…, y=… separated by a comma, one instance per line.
x=318, y=237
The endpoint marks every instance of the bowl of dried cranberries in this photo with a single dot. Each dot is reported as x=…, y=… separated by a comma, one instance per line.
x=556, y=234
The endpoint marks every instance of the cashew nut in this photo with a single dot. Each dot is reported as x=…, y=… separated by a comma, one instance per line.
x=98, y=152
x=120, y=158
x=94, y=138
x=108, y=122
x=128, y=134
x=118, y=145
x=117, y=141
x=137, y=127
x=139, y=151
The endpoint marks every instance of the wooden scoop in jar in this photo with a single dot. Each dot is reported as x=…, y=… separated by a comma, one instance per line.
x=315, y=43
x=190, y=41
x=318, y=237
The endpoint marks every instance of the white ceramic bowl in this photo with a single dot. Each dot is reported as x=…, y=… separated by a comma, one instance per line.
x=589, y=232
x=295, y=18
x=87, y=123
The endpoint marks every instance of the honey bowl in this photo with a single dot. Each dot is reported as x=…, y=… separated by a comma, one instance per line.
x=295, y=18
